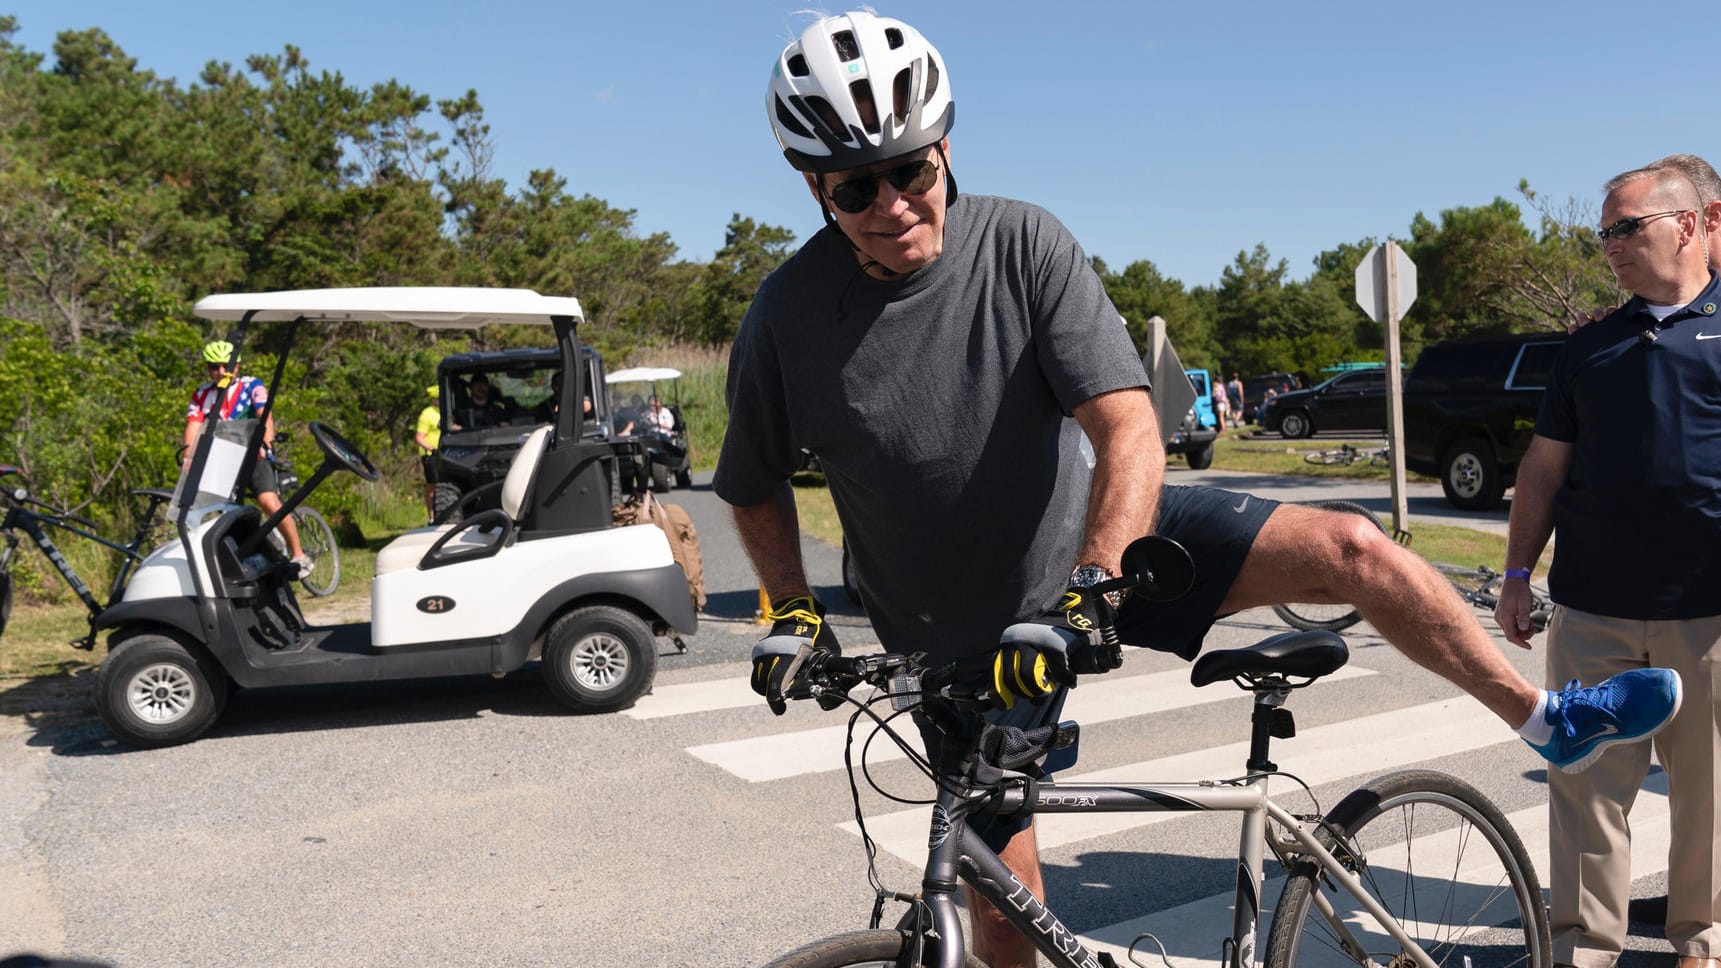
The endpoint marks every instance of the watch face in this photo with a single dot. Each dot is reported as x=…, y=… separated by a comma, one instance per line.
x=1087, y=576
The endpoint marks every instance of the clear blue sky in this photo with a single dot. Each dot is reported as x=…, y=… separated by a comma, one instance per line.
x=1178, y=133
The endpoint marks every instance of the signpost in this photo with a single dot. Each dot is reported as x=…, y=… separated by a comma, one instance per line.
x=1385, y=288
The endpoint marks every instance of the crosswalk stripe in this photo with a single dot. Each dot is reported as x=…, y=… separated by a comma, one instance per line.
x=783, y=755
x=1192, y=932
x=728, y=692
x=1358, y=747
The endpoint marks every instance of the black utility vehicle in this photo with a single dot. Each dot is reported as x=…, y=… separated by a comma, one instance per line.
x=490, y=403
x=1470, y=411
x=1355, y=400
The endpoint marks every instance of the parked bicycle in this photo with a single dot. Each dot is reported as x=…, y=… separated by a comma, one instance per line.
x=316, y=538
x=1347, y=455
x=1413, y=868
x=33, y=517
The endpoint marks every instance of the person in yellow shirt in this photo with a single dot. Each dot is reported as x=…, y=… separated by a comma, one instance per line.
x=428, y=435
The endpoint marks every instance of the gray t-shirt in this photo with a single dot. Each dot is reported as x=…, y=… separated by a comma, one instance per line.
x=938, y=405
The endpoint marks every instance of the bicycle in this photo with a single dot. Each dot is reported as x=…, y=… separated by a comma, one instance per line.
x=316, y=538
x=1363, y=880
x=28, y=514
x=1347, y=455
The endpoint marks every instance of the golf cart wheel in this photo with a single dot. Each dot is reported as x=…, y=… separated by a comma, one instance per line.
x=659, y=478
x=599, y=659
x=153, y=691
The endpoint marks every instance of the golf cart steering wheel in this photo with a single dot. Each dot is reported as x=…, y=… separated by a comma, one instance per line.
x=341, y=451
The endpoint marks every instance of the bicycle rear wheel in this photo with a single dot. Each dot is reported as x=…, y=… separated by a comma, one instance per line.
x=1445, y=864
x=1331, y=618
x=318, y=541
x=856, y=949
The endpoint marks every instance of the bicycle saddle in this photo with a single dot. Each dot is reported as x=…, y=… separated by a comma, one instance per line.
x=1311, y=654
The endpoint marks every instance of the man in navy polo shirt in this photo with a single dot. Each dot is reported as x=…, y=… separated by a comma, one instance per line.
x=1626, y=466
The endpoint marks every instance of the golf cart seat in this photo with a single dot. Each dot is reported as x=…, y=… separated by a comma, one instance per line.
x=477, y=536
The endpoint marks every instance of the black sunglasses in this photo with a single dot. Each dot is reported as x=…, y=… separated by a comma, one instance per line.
x=1625, y=228
x=857, y=193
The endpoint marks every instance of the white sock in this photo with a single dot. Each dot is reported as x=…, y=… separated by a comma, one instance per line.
x=1536, y=729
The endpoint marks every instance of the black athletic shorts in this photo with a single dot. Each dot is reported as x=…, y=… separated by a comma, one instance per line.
x=1217, y=527
x=263, y=479
x=430, y=465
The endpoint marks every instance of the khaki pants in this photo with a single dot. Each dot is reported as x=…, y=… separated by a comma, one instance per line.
x=1589, y=874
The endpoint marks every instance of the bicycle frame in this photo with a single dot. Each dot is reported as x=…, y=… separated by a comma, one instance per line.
x=956, y=852
x=30, y=522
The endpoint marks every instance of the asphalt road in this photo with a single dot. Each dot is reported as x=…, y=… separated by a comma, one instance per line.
x=472, y=822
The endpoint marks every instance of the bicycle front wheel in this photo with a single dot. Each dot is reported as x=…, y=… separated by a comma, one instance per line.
x=1328, y=457
x=1444, y=863
x=858, y=949
x=318, y=541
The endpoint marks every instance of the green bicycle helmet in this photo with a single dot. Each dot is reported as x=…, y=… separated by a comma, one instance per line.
x=218, y=351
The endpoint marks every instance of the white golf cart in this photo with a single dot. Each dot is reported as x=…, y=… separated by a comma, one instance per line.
x=543, y=575
x=663, y=454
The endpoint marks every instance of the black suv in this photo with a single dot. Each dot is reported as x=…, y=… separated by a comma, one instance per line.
x=490, y=402
x=1470, y=411
x=1355, y=400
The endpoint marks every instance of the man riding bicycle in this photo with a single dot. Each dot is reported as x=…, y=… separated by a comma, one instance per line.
x=931, y=352
x=237, y=398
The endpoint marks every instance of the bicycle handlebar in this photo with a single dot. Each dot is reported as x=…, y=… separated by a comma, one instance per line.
x=19, y=495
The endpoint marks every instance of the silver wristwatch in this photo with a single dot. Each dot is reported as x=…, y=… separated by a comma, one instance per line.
x=1088, y=575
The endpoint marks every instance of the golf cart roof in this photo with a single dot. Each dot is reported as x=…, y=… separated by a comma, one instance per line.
x=637, y=374
x=429, y=307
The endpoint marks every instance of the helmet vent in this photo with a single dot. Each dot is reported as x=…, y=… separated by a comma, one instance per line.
x=787, y=119
x=861, y=92
x=798, y=66
x=899, y=90
x=893, y=37
x=931, y=79
x=829, y=117
x=844, y=42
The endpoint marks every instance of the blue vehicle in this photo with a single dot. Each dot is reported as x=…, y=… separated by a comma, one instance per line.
x=1194, y=438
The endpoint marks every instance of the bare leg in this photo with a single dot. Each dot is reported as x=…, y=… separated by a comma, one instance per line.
x=1306, y=554
x=996, y=941
x=270, y=502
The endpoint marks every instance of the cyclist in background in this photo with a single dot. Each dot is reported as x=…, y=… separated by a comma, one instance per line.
x=986, y=314
x=237, y=398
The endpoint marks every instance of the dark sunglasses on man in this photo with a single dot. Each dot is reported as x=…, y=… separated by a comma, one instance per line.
x=911, y=178
x=1625, y=228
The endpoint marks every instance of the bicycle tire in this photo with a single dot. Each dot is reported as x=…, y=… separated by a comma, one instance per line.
x=317, y=540
x=1328, y=457
x=857, y=949
x=1410, y=830
x=1329, y=618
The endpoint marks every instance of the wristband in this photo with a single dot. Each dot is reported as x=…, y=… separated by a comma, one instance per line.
x=1522, y=574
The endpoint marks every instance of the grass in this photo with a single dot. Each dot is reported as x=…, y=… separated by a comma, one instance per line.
x=1278, y=455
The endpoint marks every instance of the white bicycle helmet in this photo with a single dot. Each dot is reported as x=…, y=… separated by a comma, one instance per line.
x=856, y=89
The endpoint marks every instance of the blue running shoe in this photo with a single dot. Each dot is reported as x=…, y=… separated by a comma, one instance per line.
x=1629, y=707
